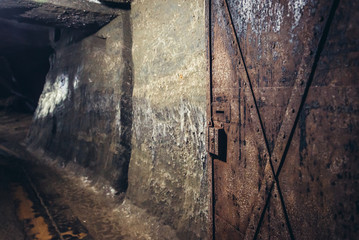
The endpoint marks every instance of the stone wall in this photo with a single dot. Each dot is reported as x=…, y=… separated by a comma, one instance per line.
x=168, y=167
x=105, y=106
x=84, y=114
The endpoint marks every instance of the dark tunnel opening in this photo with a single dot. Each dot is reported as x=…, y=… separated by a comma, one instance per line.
x=28, y=68
x=24, y=62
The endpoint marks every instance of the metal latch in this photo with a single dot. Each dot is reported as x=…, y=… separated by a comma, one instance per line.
x=217, y=143
x=221, y=112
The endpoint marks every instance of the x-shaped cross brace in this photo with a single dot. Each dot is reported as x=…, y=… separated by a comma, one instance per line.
x=275, y=161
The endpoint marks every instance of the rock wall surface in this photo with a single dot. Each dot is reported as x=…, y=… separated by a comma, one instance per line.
x=168, y=166
x=84, y=113
x=95, y=112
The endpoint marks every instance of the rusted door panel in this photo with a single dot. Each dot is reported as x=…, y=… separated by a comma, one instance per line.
x=286, y=95
x=275, y=47
x=227, y=231
x=225, y=89
x=323, y=158
x=272, y=110
x=233, y=202
x=324, y=167
x=274, y=225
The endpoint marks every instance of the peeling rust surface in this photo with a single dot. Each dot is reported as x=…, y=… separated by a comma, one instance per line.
x=287, y=71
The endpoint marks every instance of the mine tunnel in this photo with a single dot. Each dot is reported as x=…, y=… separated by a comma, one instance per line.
x=179, y=119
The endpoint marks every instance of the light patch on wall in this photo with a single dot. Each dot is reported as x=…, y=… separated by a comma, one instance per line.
x=118, y=119
x=296, y=8
x=77, y=78
x=264, y=16
x=76, y=82
x=278, y=12
x=94, y=1
x=54, y=94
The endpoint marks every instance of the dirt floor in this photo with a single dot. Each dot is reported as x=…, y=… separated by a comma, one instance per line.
x=41, y=200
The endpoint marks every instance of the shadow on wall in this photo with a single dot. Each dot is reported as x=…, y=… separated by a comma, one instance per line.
x=126, y=105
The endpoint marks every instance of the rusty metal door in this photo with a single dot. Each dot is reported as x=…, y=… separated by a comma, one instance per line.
x=275, y=91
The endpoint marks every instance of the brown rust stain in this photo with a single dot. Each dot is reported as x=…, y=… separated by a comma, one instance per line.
x=35, y=226
x=72, y=234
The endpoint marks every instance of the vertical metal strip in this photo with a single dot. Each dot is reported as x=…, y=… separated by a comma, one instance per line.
x=210, y=121
x=210, y=117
